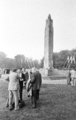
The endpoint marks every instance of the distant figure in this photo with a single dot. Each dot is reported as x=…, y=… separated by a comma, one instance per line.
x=73, y=76
x=69, y=78
x=13, y=88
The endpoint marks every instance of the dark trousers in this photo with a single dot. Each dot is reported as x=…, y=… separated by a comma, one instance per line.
x=21, y=90
x=33, y=98
x=37, y=94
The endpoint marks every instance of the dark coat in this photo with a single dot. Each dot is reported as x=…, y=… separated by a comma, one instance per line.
x=21, y=80
x=26, y=76
x=36, y=81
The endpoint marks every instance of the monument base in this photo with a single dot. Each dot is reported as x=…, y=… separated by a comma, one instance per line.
x=48, y=72
x=55, y=72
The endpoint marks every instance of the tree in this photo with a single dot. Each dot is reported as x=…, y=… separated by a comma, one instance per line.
x=36, y=63
x=20, y=60
x=42, y=63
x=8, y=63
x=2, y=58
x=2, y=55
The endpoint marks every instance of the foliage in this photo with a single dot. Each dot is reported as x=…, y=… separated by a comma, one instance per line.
x=60, y=58
x=19, y=61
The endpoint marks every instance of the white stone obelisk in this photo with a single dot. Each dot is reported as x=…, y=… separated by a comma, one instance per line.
x=48, y=46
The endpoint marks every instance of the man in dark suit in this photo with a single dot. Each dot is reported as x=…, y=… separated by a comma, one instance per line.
x=39, y=82
x=36, y=84
x=22, y=79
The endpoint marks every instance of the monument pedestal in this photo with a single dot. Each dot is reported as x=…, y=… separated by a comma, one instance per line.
x=55, y=72
x=48, y=72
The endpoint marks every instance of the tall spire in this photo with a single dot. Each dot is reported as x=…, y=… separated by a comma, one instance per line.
x=49, y=17
x=48, y=45
x=49, y=20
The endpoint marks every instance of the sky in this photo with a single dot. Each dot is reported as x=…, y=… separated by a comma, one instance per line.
x=22, y=26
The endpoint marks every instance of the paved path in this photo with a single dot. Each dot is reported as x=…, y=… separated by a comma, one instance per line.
x=54, y=80
x=63, y=81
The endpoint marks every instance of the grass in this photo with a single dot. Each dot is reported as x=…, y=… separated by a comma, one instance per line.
x=57, y=102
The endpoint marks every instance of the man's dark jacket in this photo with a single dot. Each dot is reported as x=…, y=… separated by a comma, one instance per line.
x=36, y=81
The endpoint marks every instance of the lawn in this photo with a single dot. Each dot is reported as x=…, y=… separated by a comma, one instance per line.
x=57, y=102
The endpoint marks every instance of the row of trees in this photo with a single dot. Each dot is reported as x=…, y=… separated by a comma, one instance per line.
x=60, y=58
x=19, y=61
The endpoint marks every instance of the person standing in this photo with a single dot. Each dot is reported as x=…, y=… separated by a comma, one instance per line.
x=28, y=84
x=39, y=82
x=25, y=72
x=13, y=88
x=69, y=78
x=26, y=75
x=21, y=80
x=36, y=84
x=73, y=76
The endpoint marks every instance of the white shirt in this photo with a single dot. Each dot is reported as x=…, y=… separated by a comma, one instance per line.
x=73, y=73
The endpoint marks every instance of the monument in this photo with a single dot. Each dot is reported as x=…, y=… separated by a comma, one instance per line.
x=48, y=46
x=48, y=52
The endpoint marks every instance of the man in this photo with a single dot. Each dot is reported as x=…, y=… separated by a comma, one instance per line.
x=36, y=84
x=39, y=82
x=73, y=76
x=28, y=84
x=13, y=89
x=21, y=80
x=25, y=72
x=69, y=78
x=26, y=75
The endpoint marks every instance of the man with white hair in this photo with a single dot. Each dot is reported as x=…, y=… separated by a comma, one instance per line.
x=36, y=84
x=33, y=69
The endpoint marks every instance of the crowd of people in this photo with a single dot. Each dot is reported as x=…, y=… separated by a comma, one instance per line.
x=16, y=78
x=32, y=80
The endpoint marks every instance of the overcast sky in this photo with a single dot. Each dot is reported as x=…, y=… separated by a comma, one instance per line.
x=22, y=25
